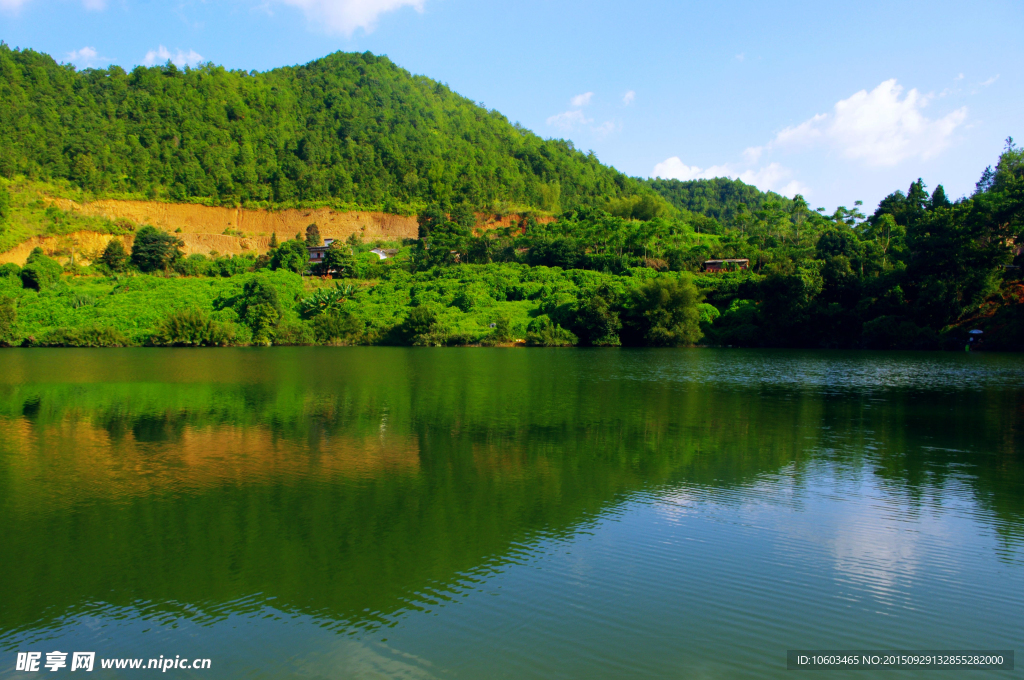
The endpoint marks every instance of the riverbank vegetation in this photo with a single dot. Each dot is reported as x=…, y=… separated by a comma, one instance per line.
x=919, y=273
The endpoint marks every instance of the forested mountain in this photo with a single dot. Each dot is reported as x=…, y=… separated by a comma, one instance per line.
x=721, y=198
x=348, y=128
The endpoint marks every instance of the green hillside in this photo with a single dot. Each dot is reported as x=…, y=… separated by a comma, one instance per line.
x=349, y=129
x=720, y=198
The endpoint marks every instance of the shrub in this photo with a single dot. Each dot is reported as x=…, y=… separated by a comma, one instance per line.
x=8, y=320
x=85, y=337
x=195, y=264
x=114, y=256
x=899, y=332
x=40, y=272
x=10, y=269
x=502, y=333
x=155, y=250
x=191, y=327
x=543, y=332
x=294, y=333
x=260, y=309
x=324, y=300
x=422, y=328
x=80, y=300
x=338, y=329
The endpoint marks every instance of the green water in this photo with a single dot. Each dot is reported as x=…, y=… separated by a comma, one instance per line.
x=505, y=513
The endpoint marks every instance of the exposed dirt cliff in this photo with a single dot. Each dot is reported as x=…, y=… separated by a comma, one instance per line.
x=225, y=231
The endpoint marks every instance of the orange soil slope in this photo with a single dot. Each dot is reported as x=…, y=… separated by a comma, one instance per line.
x=202, y=227
x=201, y=219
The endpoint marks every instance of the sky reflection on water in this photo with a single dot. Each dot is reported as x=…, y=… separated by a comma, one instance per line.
x=417, y=514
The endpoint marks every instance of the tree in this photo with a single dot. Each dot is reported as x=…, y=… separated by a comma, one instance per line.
x=5, y=204
x=597, y=322
x=155, y=250
x=260, y=309
x=8, y=320
x=313, y=236
x=273, y=240
x=339, y=261
x=40, y=272
x=668, y=312
x=291, y=255
x=114, y=256
x=428, y=218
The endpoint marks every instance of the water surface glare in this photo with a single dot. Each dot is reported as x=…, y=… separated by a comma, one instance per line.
x=500, y=513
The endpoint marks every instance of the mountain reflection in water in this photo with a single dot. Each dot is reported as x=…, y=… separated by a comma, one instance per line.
x=360, y=489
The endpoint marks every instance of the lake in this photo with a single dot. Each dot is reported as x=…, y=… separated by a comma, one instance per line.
x=507, y=513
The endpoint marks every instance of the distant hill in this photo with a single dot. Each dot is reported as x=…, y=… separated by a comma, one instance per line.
x=719, y=198
x=350, y=128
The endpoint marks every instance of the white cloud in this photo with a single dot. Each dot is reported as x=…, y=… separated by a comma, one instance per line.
x=162, y=55
x=628, y=98
x=990, y=81
x=87, y=57
x=752, y=154
x=741, y=56
x=877, y=127
x=604, y=129
x=345, y=16
x=772, y=177
x=582, y=99
x=95, y=5
x=569, y=120
x=959, y=77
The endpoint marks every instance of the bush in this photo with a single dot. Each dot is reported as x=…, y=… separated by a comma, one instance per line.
x=294, y=333
x=40, y=272
x=10, y=269
x=899, y=332
x=338, y=329
x=324, y=300
x=191, y=327
x=422, y=328
x=85, y=337
x=8, y=320
x=114, y=256
x=260, y=309
x=195, y=264
x=502, y=333
x=543, y=332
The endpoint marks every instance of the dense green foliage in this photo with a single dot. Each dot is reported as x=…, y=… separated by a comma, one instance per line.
x=721, y=198
x=40, y=272
x=920, y=272
x=154, y=250
x=348, y=128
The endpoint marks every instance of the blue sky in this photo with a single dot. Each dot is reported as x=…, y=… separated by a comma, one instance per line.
x=839, y=101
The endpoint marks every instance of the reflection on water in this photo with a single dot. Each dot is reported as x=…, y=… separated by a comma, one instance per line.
x=374, y=512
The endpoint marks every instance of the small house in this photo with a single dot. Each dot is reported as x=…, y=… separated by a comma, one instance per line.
x=726, y=265
x=317, y=253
